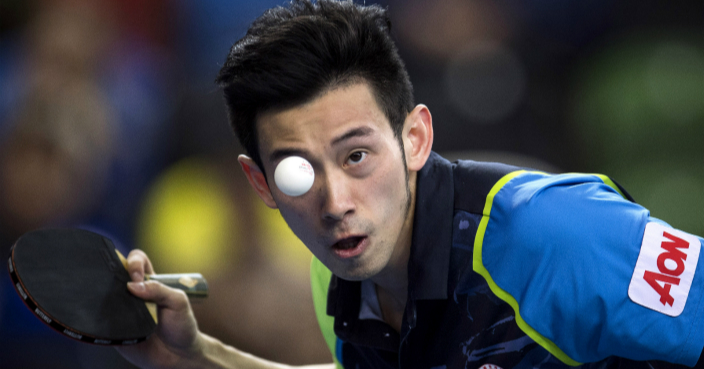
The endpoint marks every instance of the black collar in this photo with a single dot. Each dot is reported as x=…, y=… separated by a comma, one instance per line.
x=432, y=230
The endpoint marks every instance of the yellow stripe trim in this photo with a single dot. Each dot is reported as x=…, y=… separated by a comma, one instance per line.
x=320, y=281
x=610, y=183
x=478, y=267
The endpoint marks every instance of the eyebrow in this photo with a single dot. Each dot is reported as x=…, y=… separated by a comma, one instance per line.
x=356, y=132
x=282, y=153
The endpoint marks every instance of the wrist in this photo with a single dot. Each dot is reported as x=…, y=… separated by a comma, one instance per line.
x=206, y=352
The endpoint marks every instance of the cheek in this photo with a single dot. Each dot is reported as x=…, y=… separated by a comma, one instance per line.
x=299, y=220
x=389, y=194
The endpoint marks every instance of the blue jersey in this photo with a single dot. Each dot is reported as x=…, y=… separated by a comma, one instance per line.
x=563, y=251
x=520, y=269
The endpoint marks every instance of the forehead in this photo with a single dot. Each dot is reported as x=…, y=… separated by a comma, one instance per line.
x=317, y=122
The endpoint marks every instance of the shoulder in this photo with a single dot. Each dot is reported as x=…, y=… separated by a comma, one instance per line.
x=472, y=181
x=562, y=251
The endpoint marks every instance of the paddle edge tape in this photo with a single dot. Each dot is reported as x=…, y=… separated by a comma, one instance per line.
x=53, y=323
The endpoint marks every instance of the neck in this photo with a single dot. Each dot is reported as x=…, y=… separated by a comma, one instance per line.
x=392, y=282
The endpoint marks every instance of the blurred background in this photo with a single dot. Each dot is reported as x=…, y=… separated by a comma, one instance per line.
x=110, y=121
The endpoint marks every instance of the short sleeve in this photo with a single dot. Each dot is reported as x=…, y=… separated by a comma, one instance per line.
x=565, y=250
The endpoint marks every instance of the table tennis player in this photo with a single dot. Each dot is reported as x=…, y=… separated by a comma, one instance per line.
x=420, y=262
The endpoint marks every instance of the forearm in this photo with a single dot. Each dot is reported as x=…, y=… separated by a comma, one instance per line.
x=177, y=343
x=218, y=355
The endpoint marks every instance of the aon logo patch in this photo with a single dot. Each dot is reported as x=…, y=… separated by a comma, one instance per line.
x=665, y=269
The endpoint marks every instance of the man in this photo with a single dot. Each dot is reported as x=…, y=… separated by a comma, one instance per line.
x=420, y=262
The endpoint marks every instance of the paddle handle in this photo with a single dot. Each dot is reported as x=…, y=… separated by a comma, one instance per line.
x=193, y=284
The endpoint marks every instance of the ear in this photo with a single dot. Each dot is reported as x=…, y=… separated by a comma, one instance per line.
x=257, y=180
x=418, y=137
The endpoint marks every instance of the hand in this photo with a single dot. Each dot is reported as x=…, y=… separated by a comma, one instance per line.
x=176, y=338
x=177, y=343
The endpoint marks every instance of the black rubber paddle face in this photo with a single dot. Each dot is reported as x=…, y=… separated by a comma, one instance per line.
x=74, y=281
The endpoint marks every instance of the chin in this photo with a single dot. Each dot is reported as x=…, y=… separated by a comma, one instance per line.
x=358, y=273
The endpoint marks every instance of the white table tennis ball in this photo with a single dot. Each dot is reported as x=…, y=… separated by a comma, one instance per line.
x=294, y=176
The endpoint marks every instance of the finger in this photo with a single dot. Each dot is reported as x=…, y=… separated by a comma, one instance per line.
x=138, y=265
x=162, y=295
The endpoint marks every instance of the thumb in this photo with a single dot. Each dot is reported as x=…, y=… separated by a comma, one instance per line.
x=162, y=295
x=139, y=289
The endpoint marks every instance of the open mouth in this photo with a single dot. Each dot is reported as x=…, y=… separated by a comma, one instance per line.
x=350, y=246
x=347, y=243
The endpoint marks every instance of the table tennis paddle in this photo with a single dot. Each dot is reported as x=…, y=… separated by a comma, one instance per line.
x=75, y=281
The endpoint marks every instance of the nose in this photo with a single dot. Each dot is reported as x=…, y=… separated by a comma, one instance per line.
x=337, y=199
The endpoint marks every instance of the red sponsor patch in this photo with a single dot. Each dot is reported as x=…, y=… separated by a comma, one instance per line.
x=665, y=269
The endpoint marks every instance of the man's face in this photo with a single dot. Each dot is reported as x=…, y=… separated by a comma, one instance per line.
x=357, y=211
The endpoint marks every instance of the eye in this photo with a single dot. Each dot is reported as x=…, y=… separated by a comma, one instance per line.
x=356, y=157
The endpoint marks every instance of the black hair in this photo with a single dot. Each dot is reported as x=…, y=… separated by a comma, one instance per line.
x=291, y=55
